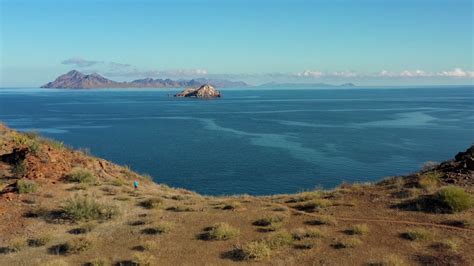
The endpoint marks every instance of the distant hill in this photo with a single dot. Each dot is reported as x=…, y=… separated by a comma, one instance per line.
x=77, y=80
x=305, y=85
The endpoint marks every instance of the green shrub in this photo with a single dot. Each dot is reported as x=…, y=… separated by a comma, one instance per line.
x=20, y=169
x=57, y=145
x=17, y=244
x=446, y=245
x=74, y=246
x=80, y=175
x=84, y=209
x=429, y=180
x=418, y=234
x=34, y=147
x=232, y=205
x=152, y=203
x=255, y=250
x=313, y=205
x=279, y=239
x=20, y=139
x=302, y=233
x=358, y=229
x=269, y=220
x=180, y=208
x=160, y=228
x=270, y=224
x=83, y=229
x=347, y=243
x=222, y=231
x=455, y=198
x=26, y=186
x=39, y=241
x=391, y=260
x=323, y=220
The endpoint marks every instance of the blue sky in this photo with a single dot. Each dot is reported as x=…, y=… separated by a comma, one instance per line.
x=367, y=42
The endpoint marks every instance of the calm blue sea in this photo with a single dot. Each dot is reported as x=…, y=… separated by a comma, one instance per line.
x=254, y=141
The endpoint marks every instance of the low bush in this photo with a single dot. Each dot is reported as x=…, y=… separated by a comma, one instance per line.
x=418, y=234
x=358, y=229
x=26, y=186
x=303, y=233
x=39, y=241
x=158, y=229
x=221, y=231
x=81, y=175
x=323, y=220
x=429, y=180
x=82, y=208
x=34, y=147
x=269, y=220
x=279, y=239
x=455, y=198
x=17, y=244
x=269, y=224
x=347, y=243
x=232, y=205
x=74, y=246
x=180, y=208
x=152, y=203
x=83, y=229
x=446, y=245
x=313, y=205
x=20, y=169
x=255, y=250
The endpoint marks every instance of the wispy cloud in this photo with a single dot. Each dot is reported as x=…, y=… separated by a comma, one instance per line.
x=80, y=62
x=115, y=69
x=455, y=73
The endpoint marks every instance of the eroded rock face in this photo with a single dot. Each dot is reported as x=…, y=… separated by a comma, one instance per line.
x=205, y=91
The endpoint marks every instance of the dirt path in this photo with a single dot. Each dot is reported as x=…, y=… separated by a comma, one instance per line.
x=384, y=220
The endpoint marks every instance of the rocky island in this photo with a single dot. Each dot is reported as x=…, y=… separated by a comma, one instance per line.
x=77, y=80
x=205, y=91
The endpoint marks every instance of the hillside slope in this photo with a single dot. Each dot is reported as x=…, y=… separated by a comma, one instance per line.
x=64, y=207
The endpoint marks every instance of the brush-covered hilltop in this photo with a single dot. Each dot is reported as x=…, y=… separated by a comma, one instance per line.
x=77, y=80
x=60, y=206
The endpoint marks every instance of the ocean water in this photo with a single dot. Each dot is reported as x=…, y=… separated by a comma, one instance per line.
x=255, y=141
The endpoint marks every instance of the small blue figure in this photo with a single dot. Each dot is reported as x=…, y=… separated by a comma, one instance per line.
x=135, y=184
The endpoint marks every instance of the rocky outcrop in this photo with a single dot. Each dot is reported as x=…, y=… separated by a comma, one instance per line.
x=77, y=80
x=459, y=171
x=205, y=91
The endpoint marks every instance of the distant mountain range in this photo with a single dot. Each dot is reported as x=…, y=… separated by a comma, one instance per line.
x=77, y=80
x=305, y=85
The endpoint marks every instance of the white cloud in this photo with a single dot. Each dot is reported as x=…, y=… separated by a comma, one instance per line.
x=457, y=73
